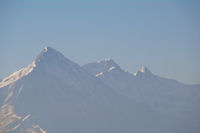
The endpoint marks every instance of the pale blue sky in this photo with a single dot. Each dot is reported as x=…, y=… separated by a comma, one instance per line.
x=163, y=35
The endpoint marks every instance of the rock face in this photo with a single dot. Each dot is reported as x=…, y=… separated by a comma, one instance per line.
x=56, y=95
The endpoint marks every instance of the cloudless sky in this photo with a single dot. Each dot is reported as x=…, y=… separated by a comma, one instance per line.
x=162, y=35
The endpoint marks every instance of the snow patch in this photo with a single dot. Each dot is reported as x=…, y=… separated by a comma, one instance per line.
x=99, y=74
x=143, y=68
x=7, y=116
x=9, y=96
x=111, y=68
x=26, y=117
x=135, y=74
x=17, y=75
x=45, y=49
x=35, y=129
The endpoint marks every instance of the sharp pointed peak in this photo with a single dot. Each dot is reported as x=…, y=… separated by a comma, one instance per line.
x=48, y=49
x=48, y=53
x=144, y=69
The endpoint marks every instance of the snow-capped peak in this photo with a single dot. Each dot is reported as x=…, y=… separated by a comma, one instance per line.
x=102, y=66
x=143, y=70
x=108, y=63
x=51, y=56
x=47, y=56
x=48, y=53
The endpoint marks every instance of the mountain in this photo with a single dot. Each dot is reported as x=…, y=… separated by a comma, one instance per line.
x=55, y=95
x=52, y=90
x=159, y=94
x=144, y=87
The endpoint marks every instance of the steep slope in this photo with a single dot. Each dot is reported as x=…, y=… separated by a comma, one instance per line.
x=56, y=93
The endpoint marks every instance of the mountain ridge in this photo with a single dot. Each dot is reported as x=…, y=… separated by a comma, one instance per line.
x=48, y=51
x=54, y=94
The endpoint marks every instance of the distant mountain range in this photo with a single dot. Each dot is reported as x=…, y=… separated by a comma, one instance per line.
x=56, y=95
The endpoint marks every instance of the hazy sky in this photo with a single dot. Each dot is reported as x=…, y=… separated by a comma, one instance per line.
x=162, y=35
